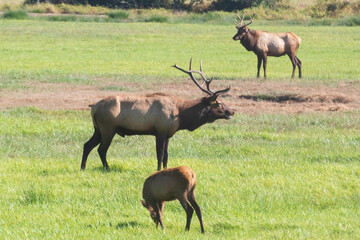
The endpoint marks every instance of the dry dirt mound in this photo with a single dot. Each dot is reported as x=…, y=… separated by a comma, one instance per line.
x=252, y=97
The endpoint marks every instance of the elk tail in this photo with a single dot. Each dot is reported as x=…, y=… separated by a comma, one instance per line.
x=193, y=179
x=93, y=115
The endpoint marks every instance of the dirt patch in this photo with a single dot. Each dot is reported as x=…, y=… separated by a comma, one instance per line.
x=253, y=97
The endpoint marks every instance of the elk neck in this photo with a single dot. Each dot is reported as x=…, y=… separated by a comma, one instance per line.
x=193, y=114
x=249, y=40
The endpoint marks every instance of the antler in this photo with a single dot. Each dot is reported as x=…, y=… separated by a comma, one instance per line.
x=240, y=24
x=207, y=82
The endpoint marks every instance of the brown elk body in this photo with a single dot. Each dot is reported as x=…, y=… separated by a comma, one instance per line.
x=265, y=44
x=157, y=114
x=168, y=185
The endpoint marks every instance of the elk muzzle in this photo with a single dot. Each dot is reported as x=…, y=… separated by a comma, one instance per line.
x=236, y=37
x=222, y=112
x=228, y=112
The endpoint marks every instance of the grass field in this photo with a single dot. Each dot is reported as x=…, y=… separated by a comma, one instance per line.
x=68, y=51
x=269, y=176
x=265, y=176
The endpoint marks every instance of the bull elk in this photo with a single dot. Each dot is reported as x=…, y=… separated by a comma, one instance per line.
x=168, y=185
x=157, y=114
x=265, y=44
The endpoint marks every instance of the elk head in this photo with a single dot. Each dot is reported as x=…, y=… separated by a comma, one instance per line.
x=151, y=210
x=242, y=29
x=214, y=108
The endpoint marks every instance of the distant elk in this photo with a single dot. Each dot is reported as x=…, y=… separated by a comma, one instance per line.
x=265, y=44
x=168, y=185
x=157, y=114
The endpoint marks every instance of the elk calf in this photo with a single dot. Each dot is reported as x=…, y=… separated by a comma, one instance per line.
x=167, y=185
x=265, y=44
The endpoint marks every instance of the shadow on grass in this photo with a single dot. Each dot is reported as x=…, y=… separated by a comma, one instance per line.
x=220, y=227
x=126, y=224
x=113, y=168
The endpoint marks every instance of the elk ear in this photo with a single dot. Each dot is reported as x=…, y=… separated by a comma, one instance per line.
x=213, y=98
x=210, y=99
x=144, y=204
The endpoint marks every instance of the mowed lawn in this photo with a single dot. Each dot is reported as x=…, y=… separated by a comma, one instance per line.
x=259, y=176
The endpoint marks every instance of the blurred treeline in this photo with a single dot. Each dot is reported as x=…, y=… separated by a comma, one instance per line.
x=189, y=5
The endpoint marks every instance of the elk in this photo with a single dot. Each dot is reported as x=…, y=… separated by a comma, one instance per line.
x=265, y=44
x=157, y=114
x=168, y=185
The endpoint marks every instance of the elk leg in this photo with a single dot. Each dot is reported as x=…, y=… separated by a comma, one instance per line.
x=160, y=147
x=161, y=206
x=197, y=209
x=106, y=138
x=158, y=215
x=259, y=65
x=161, y=209
x=294, y=62
x=165, y=153
x=299, y=65
x=189, y=211
x=264, y=64
x=89, y=145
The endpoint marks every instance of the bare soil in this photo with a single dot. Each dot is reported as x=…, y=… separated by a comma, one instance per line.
x=252, y=97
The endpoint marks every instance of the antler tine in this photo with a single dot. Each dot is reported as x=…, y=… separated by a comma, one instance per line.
x=251, y=20
x=242, y=19
x=190, y=73
x=217, y=92
x=208, y=83
x=201, y=74
x=239, y=24
x=222, y=91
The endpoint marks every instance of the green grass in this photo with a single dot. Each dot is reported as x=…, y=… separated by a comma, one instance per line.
x=139, y=50
x=265, y=176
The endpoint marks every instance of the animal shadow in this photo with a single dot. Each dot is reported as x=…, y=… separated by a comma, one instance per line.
x=113, y=168
x=130, y=224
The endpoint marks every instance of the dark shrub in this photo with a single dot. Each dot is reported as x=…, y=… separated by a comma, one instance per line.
x=231, y=5
x=351, y=21
x=125, y=4
x=62, y=18
x=118, y=14
x=15, y=14
x=156, y=18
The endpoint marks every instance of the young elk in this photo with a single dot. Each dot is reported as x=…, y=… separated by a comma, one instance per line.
x=157, y=114
x=167, y=185
x=265, y=44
